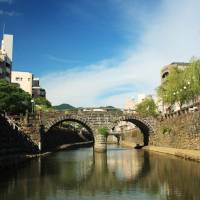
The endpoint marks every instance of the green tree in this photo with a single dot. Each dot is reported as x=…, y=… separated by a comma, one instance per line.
x=103, y=131
x=192, y=77
x=42, y=101
x=181, y=85
x=147, y=107
x=13, y=99
x=173, y=89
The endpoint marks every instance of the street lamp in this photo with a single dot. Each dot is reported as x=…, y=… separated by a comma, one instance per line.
x=33, y=105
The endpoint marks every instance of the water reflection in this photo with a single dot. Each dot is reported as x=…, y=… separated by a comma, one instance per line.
x=121, y=173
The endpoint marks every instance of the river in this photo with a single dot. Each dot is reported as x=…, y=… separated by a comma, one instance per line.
x=121, y=174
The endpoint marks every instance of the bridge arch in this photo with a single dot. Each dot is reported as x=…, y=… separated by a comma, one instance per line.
x=139, y=122
x=72, y=118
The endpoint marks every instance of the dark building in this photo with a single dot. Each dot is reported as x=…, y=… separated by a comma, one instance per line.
x=5, y=68
x=6, y=51
x=37, y=91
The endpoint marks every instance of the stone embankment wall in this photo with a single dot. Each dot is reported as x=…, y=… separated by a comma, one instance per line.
x=12, y=141
x=180, y=130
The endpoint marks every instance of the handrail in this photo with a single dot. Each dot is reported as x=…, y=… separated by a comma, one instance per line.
x=19, y=130
x=12, y=123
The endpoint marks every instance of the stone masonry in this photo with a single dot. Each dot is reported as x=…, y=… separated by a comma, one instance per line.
x=179, y=130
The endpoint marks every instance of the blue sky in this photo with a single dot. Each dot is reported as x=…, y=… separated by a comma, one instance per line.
x=63, y=34
x=102, y=52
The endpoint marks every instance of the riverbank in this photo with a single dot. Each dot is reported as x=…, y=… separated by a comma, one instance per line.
x=13, y=161
x=182, y=153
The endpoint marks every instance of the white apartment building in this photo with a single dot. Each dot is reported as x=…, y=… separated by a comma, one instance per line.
x=7, y=46
x=6, y=51
x=131, y=104
x=24, y=79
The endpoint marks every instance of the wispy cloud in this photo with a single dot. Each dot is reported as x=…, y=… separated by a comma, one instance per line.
x=61, y=60
x=6, y=1
x=9, y=13
x=168, y=35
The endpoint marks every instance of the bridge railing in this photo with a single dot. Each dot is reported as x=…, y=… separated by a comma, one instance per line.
x=183, y=111
x=12, y=123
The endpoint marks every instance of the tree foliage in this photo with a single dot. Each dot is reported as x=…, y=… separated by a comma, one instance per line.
x=147, y=107
x=103, y=131
x=13, y=99
x=192, y=75
x=181, y=85
x=42, y=101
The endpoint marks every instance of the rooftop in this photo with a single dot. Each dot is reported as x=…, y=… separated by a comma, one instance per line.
x=179, y=63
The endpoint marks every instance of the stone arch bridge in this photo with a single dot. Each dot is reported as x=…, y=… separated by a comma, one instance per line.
x=41, y=123
x=93, y=120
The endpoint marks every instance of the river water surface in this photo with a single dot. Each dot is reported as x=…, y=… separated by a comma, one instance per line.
x=120, y=174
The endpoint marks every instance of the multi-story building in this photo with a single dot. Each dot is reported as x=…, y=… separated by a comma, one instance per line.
x=23, y=79
x=6, y=52
x=28, y=83
x=37, y=91
x=131, y=104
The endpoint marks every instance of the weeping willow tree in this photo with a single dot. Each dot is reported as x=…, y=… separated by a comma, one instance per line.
x=174, y=89
x=181, y=85
x=192, y=75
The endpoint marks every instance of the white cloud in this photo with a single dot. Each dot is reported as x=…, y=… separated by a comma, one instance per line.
x=6, y=1
x=171, y=34
x=61, y=60
x=9, y=13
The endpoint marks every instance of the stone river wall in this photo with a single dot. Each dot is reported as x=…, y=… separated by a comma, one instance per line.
x=13, y=141
x=178, y=130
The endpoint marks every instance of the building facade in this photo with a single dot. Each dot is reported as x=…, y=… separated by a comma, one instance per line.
x=131, y=104
x=23, y=79
x=6, y=52
x=28, y=83
x=37, y=91
x=166, y=69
